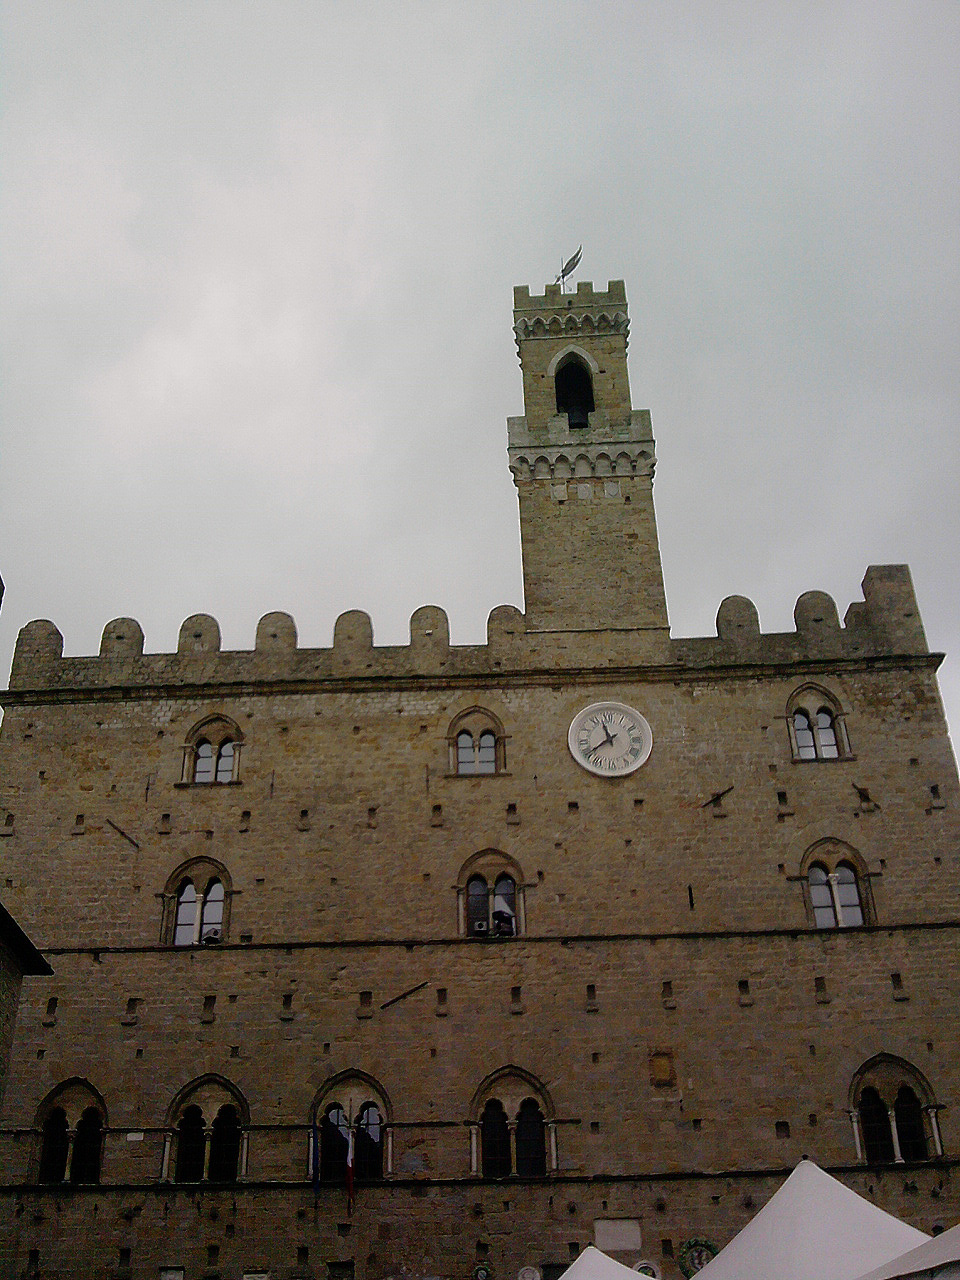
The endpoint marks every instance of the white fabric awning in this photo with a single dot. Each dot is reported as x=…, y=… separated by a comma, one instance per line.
x=936, y=1258
x=813, y=1228
x=593, y=1264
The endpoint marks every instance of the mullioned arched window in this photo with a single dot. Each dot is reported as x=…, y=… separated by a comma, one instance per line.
x=206, y=1138
x=477, y=744
x=836, y=886
x=350, y=1130
x=894, y=1113
x=816, y=725
x=196, y=904
x=211, y=753
x=490, y=897
x=514, y=1133
x=71, y=1123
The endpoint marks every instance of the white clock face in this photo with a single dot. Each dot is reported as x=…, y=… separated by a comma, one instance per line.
x=610, y=739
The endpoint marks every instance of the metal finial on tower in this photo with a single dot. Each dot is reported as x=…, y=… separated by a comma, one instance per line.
x=568, y=268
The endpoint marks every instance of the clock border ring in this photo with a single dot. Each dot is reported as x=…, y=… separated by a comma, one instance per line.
x=620, y=706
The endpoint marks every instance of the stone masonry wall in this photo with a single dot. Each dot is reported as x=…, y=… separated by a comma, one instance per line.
x=690, y=1033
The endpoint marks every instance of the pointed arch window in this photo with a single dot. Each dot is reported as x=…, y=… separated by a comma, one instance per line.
x=350, y=1127
x=226, y=755
x=211, y=917
x=512, y=1135
x=196, y=904
x=827, y=745
x=503, y=908
x=466, y=755
x=207, y=925
x=875, y=1127
x=477, y=744
x=185, y=927
x=817, y=726
x=211, y=753
x=478, y=922
x=574, y=389
x=908, y=1115
x=203, y=761
x=491, y=914
x=71, y=1124
x=835, y=896
x=207, y=1140
x=490, y=897
x=803, y=736
x=894, y=1113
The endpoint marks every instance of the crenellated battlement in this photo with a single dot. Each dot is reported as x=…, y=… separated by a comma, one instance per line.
x=553, y=314
x=885, y=624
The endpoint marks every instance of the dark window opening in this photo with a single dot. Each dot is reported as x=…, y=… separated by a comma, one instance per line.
x=494, y=1141
x=334, y=1144
x=574, y=392
x=191, y=1146
x=531, y=1141
x=910, y=1128
x=53, y=1148
x=477, y=907
x=225, y=1146
x=87, y=1147
x=875, y=1125
x=368, y=1144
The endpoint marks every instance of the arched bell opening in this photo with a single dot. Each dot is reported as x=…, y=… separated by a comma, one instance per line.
x=574, y=388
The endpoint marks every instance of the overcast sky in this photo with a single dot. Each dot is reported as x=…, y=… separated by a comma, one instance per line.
x=257, y=270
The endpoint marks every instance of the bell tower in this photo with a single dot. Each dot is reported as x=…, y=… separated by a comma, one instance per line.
x=583, y=460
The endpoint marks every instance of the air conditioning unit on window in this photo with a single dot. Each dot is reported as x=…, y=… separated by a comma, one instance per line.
x=480, y=926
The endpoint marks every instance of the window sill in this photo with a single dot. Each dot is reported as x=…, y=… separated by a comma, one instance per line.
x=474, y=777
x=207, y=786
x=828, y=761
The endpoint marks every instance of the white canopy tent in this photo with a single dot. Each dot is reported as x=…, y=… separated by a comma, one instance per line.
x=813, y=1228
x=595, y=1265
x=936, y=1259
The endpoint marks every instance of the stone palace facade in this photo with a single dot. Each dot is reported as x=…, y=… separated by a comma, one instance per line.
x=447, y=961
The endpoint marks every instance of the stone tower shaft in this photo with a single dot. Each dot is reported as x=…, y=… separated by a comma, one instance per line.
x=583, y=460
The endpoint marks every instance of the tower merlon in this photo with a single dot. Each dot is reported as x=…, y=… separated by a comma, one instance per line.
x=552, y=298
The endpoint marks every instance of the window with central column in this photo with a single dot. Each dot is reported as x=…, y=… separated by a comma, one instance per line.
x=894, y=1113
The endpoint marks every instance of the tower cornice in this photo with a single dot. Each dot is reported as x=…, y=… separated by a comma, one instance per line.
x=587, y=312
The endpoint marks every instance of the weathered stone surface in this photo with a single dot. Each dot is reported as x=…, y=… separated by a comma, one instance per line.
x=687, y=1031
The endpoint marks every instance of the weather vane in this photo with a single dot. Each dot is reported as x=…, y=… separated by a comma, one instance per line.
x=568, y=268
